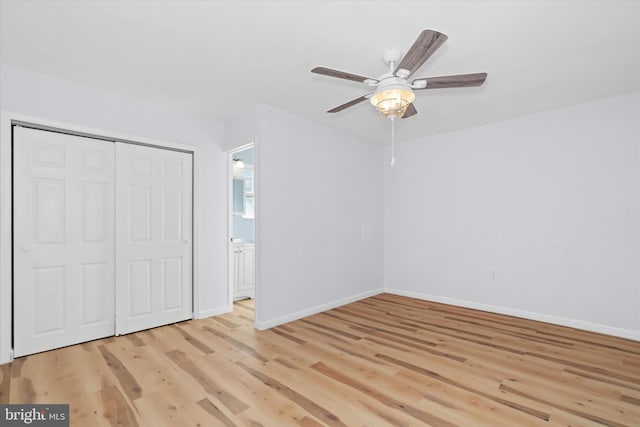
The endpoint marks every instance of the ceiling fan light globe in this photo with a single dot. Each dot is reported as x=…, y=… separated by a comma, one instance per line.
x=392, y=102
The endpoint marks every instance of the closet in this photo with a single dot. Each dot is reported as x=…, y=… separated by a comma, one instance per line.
x=102, y=238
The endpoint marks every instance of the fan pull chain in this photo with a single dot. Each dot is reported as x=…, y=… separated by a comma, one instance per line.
x=393, y=140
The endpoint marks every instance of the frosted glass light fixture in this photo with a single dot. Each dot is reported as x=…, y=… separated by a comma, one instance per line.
x=392, y=101
x=238, y=163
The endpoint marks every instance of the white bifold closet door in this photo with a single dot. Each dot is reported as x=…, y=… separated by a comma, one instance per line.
x=102, y=239
x=153, y=237
x=63, y=216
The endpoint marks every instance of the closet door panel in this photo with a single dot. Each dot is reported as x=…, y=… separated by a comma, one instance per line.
x=63, y=254
x=153, y=237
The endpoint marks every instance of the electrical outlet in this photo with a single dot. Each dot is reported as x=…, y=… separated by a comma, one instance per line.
x=492, y=274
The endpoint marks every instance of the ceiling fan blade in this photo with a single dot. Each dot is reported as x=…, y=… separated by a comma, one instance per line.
x=425, y=45
x=349, y=104
x=341, y=74
x=460, y=80
x=411, y=111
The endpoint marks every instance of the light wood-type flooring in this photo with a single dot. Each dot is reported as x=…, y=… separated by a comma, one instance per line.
x=383, y=361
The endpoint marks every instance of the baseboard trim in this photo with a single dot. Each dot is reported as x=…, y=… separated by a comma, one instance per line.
x=531, y=315
x=213, y=312
x=266, y=324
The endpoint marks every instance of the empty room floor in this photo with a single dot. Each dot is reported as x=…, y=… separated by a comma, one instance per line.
x=383, y=361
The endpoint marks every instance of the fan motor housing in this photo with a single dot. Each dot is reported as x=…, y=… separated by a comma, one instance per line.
x=391, y=55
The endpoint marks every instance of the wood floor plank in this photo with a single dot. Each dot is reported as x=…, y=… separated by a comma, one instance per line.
x=22, y=391
x=16, y=366
x=96, y=412
x=160, y=374
x=381, y=397
x=135, y=340
x=90, y=367
x=435, y=375
x=126, y=379
x=193, y=340
x=236, y=343
x=267, y=404
x=387, y=360
x=117, y=411
x=310, y=406
x=229, y=324
x=5, y=383
x=164, y=409
x=581, y=414
x=339, y=397
x=211, y=408
x=71, y=390
x=227, y=398
x=610, y=373
x=288, y=336
x=413, y=341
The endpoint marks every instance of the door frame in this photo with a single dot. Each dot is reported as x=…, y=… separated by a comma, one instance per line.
x=230, y=264
x=7, y=120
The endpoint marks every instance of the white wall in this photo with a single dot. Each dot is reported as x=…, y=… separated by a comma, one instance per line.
x=41, y=96
x=549, y=202
x=241, y=130
x=319, y=218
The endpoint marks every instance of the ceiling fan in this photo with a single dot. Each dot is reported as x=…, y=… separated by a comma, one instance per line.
x=393, y=95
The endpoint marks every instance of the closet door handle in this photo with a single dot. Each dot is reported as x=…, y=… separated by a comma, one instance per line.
x=24, y=249
x=186, y=241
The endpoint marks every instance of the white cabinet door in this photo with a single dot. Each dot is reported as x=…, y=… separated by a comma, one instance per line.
x=244, y=271
x=246, y=267
x=236, y=271
x=153, y=237
x=63, y=253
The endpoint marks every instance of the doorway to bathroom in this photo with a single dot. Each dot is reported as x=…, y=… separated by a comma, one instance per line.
x=242, y=214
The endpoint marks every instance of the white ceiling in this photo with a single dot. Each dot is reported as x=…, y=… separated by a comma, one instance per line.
x=219, y=57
